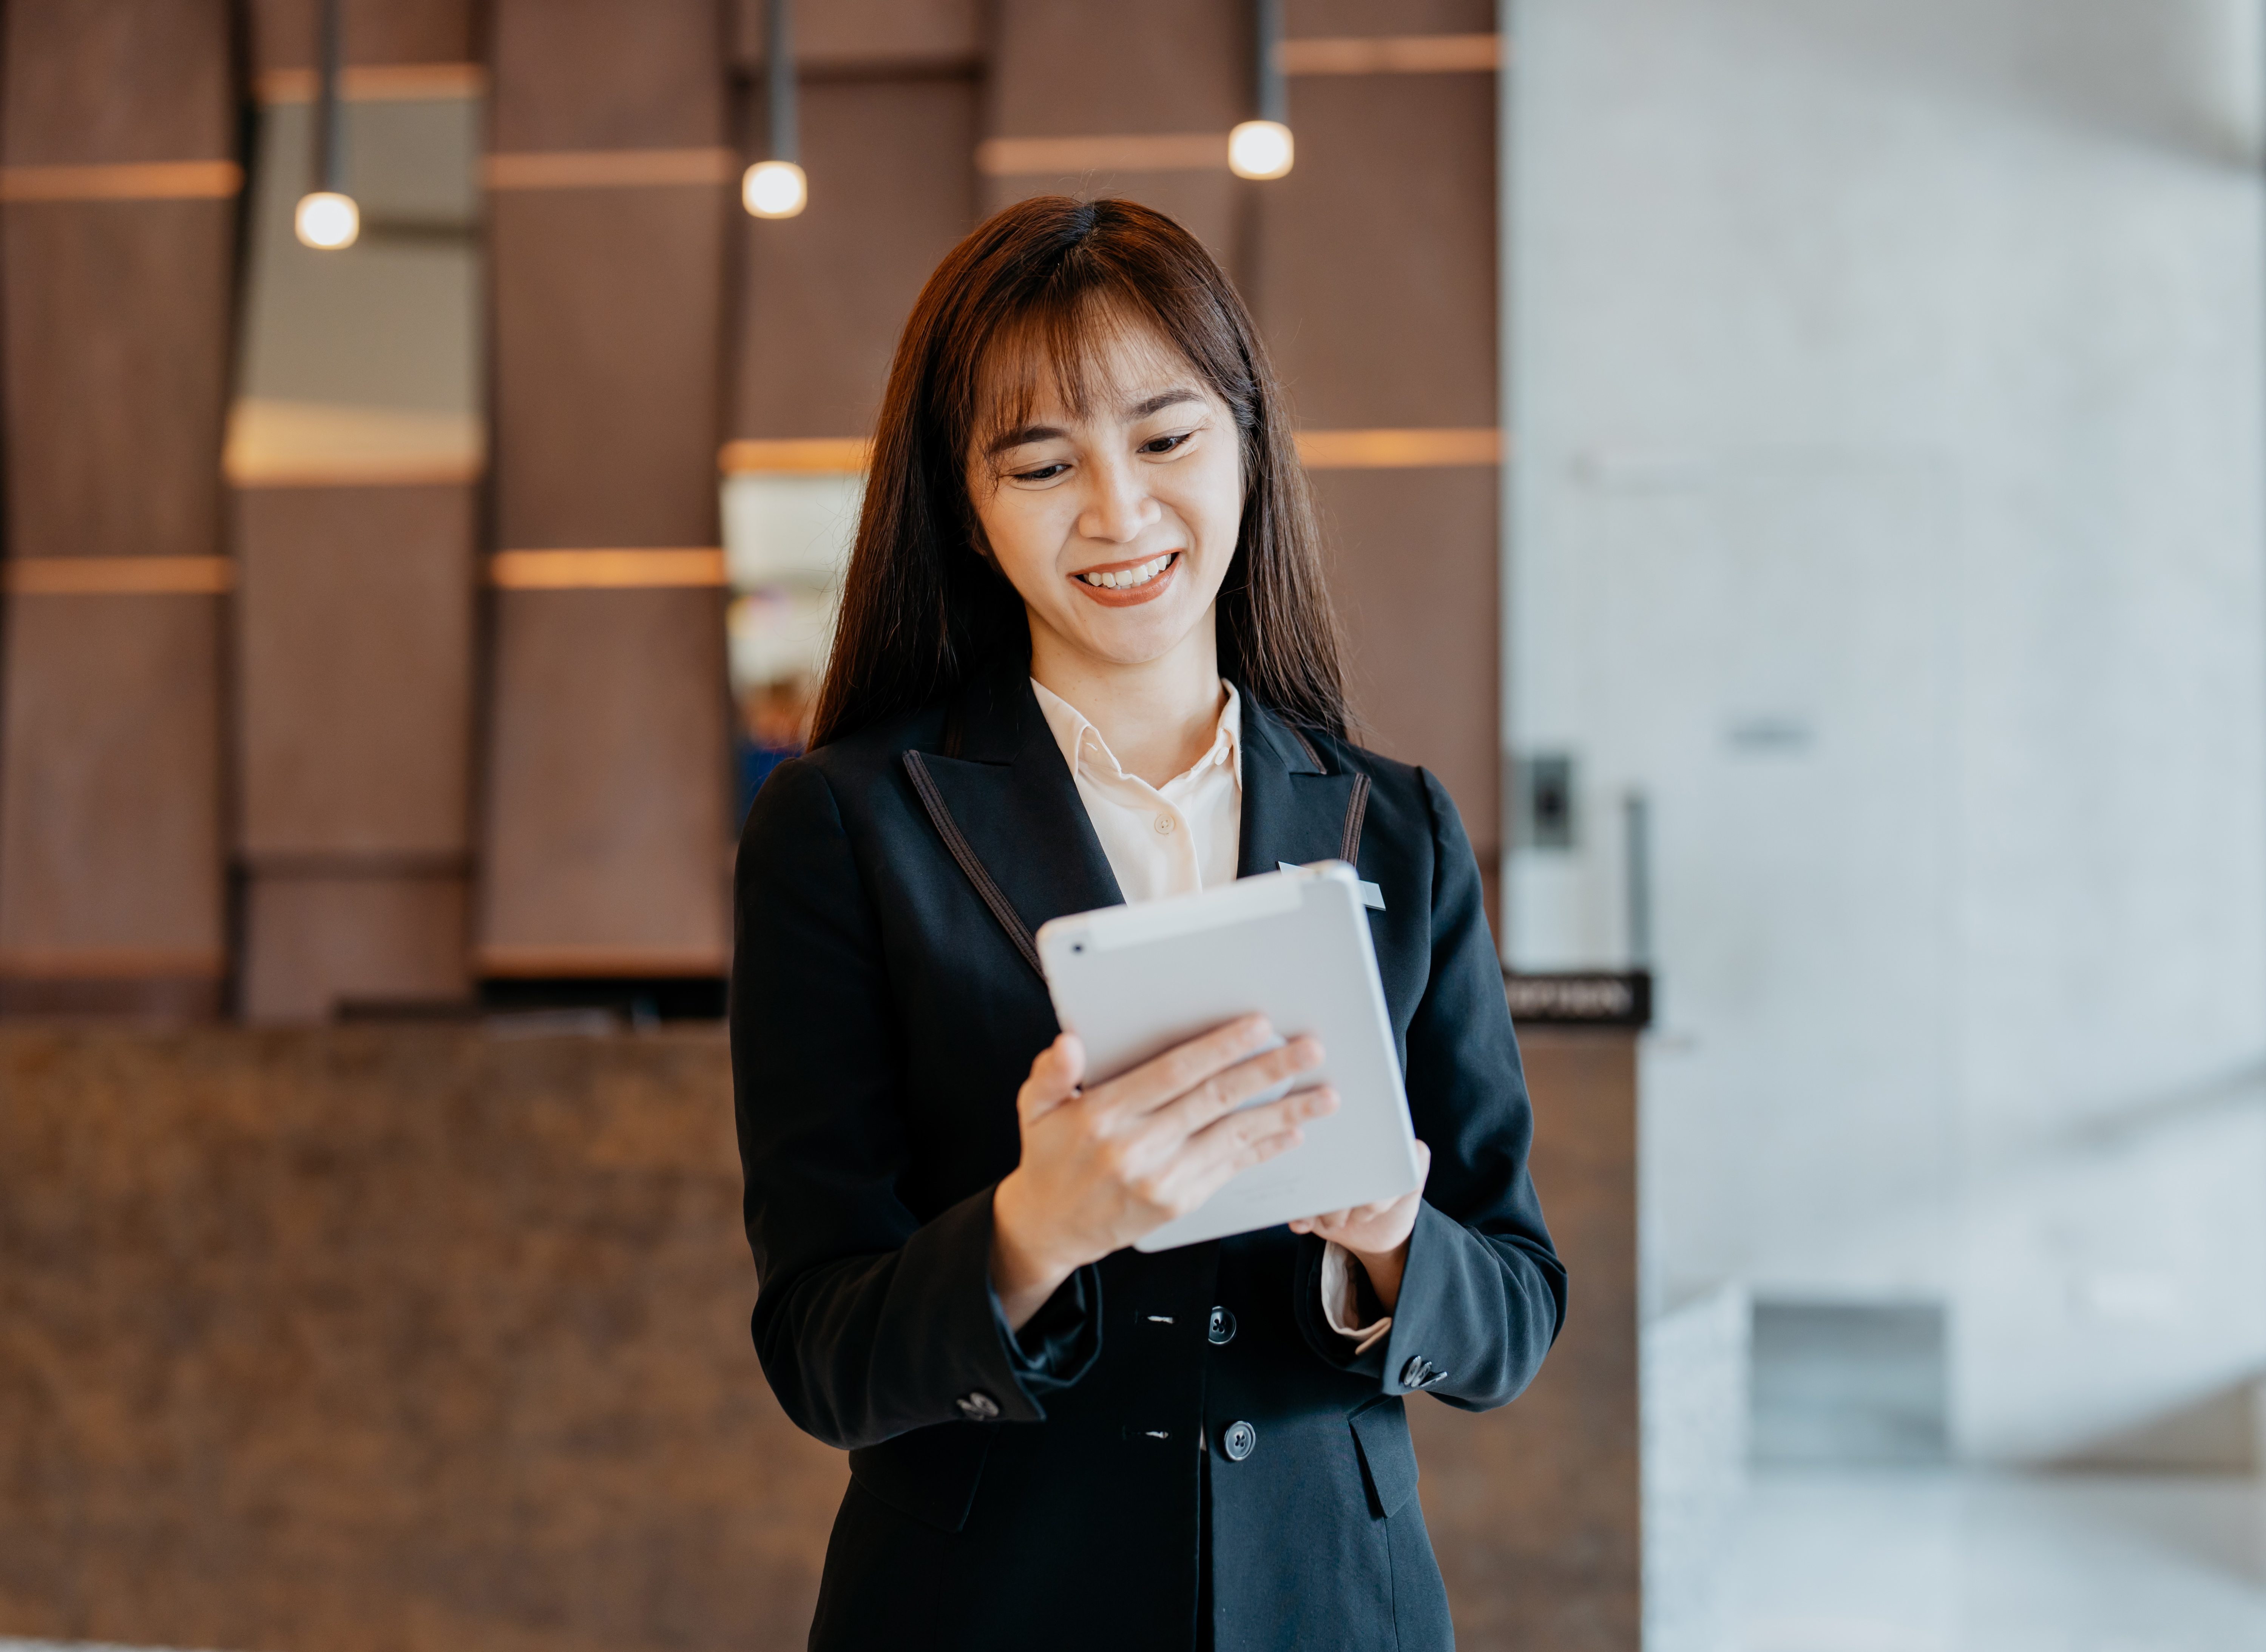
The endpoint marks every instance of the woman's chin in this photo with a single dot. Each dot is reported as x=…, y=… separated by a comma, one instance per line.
x=1130, y=637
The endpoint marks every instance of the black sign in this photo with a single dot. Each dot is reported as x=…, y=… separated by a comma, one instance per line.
x=1580, y=998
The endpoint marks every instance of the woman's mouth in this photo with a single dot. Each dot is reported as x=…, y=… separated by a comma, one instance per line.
x=1131, y=583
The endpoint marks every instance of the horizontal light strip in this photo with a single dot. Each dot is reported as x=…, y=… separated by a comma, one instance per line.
x=834, y=455
x=552, y=963
x=607, y=169
x=1121, y=152
x=1391, y=54
x=111, y=963
x=1398, y=450
x=379, y=83
x=135, y=180
x=117, y=576
x=376, y=472
x=606, y=570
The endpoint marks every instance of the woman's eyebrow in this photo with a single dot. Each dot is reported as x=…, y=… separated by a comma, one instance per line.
x=1162, y=400
x=1017, y=438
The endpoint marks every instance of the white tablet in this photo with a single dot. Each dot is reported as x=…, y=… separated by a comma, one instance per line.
x=1293, y=946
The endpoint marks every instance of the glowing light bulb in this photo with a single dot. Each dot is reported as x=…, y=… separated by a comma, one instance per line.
x=774, y=189
x=328, y=221
x=1259, y=149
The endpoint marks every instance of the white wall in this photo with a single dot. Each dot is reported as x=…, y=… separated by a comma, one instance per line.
x=1887, y=381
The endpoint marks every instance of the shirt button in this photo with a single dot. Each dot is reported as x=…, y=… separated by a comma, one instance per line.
x=1240, y=1442
x=1222, y=1328
x=978, y=1407
x=1165, y=825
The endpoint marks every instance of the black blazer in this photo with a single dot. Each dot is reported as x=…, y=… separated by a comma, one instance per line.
x=1050, y=1489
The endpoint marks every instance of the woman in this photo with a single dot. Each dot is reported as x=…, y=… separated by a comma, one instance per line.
x=1085, y=655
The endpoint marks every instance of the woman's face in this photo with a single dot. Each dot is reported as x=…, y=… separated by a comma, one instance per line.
x=1116, y=528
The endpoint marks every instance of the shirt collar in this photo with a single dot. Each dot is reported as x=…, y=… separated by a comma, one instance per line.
x=1085, y=751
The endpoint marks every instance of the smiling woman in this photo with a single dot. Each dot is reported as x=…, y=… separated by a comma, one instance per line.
x=1086, y=656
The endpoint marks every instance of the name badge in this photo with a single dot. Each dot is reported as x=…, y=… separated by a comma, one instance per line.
x=1372, y=897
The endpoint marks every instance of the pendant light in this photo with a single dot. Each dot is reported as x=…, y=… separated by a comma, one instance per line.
x=1262, y=148
x=326, y=217
x=775, y=187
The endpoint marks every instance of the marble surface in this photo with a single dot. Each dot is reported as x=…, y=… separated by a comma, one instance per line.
x=1891, y=1560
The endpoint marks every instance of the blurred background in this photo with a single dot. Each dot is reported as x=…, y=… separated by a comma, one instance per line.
x=1795, y=469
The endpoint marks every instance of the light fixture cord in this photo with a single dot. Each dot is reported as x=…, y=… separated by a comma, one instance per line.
x=1274, y=85
x=779, y=79
x=330, y=127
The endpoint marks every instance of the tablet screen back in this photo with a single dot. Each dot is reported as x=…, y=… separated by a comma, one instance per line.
x=1132, y=982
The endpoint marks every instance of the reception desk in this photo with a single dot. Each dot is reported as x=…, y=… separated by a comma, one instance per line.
x=368, y=1338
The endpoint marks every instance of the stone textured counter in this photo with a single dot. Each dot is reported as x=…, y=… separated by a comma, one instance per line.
x=366, y=1340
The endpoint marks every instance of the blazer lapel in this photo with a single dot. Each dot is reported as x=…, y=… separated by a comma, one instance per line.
x=1294, y=808
x=1010, y=813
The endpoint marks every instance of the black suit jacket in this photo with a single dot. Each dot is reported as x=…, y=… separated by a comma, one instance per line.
x=1050, y=1489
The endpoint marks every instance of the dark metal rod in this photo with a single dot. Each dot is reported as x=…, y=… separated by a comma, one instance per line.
x=330, y=127
x=1274, y=85
x=779, y=80
x=1636, y=816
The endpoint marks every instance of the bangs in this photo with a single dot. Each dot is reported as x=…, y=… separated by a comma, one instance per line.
x=1056, y=348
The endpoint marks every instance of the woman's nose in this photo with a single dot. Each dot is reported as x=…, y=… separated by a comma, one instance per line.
x=1119, y=508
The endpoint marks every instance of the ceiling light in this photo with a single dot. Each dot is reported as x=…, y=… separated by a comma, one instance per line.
x=327, y=219
x=1259, y=149
x=776, y=189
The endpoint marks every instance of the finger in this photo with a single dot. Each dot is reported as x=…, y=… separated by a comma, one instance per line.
x=1055, y=1074
x=1184, y=1066
x=1200, y=1186
x=1226, y=1138
x=1224, y=1092
x=1423, y=1164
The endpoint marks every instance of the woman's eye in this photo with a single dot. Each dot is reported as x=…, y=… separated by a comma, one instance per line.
x=1044, y=473
x=1165, y=445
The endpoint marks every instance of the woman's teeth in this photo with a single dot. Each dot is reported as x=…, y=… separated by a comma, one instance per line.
x=1126, y=578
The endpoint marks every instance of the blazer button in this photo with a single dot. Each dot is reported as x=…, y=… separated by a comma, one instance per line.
x=1419, y=1372
x=1223, y=1325
x=1240, y=1442
x=978, y=1407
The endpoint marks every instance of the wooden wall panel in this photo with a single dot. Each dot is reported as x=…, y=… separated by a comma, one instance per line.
x=384, y=935
x=110, y=812
x=1067, y=69
x=1376, y=274
x=608, y=318
x=1304, y=19
x=605, y=820
x=116, y=362
x=825, y=295
x=869, y=35
x=114, y=317
x=606, y=851
x=1536, y=1510
x=1373, y=273
x=354, y=664
x=354, y=716
x=283, y=31
x=607, y=74
x=1420, y=605
x=94, y=82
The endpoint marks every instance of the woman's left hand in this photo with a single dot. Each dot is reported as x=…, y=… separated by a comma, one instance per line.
x=1377, y=1234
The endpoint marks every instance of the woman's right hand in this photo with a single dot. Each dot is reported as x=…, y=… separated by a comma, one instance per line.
x=1103, y=1166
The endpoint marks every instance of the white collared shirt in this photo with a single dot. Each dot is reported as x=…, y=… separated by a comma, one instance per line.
x=1172, y=839
x=1183, y=836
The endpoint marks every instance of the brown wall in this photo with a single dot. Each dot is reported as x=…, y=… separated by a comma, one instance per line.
x=114, y=322
x=604, y=829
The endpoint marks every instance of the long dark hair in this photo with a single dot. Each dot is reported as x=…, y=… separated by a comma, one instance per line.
x=922, y=609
